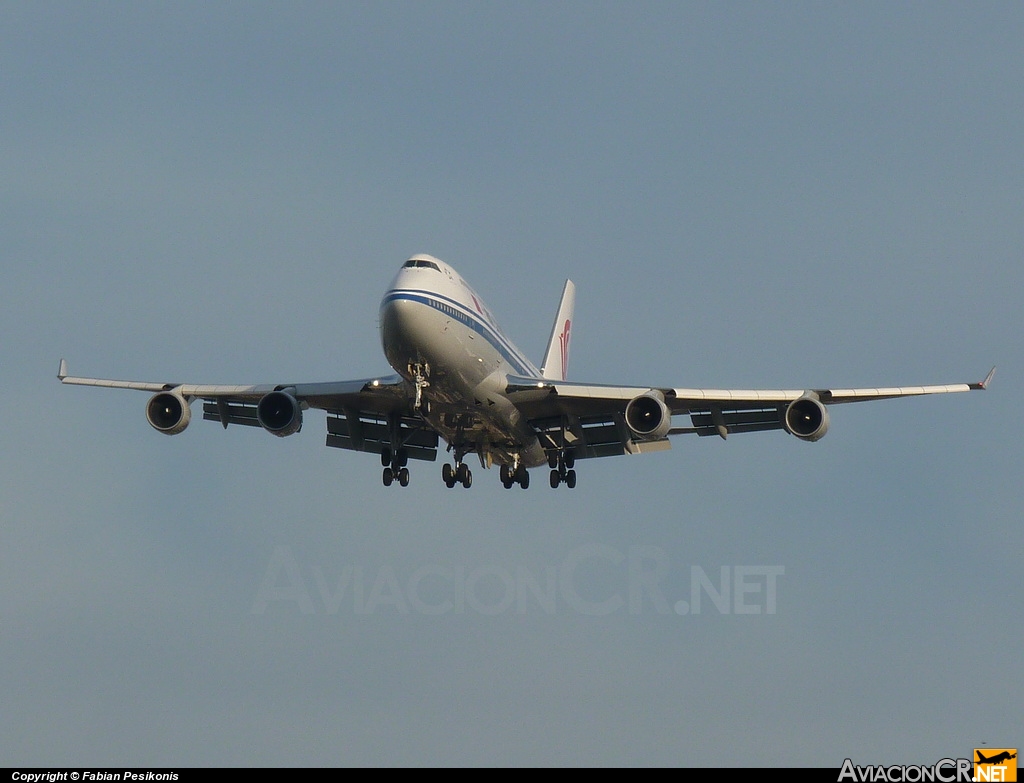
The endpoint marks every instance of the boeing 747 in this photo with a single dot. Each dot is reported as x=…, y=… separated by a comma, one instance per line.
x=461, y=380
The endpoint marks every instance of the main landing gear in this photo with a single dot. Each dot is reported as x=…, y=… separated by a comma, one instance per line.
x=395, y=466
x=561, y=464
x=514, y=475
x=460, y=474
x=561, y=472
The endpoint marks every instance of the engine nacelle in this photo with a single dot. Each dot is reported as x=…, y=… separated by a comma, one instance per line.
x=279, y=413
x=168, y=412
x=648, y=417
x=806, y=418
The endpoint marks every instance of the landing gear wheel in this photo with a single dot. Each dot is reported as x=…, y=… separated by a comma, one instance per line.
x=552, y=459
x=570, y=479
x=570, y=459
x=403, y=477
x=556, y=479
x=461, y=471
x=467, y=480
x=448, y=475
x=402, y=458
x=505, y=474
x=389, y=476
x=522, y=477
x=507, y=484
x=385, y=456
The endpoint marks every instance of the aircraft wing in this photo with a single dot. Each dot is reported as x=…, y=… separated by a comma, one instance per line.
x=366, y=414
x=383, y=394
x=605, y=419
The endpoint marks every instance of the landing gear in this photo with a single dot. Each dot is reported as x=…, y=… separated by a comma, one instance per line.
x=567, y=477
x=518, y=475
x=419, y=374
x=460, y=474
x=562, y=472
x=394, y=466
x=398, y=459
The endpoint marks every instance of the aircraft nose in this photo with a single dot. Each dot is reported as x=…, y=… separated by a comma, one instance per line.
x=397, y=316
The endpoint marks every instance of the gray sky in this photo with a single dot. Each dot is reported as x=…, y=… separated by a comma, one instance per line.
x=745, y=195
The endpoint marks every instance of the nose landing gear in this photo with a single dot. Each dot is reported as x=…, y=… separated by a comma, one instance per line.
x=420, y=373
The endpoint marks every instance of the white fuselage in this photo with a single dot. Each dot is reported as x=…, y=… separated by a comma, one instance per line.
x=433, y=324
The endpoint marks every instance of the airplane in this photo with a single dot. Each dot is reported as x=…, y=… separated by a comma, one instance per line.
x=996, y=759
x=460, y=379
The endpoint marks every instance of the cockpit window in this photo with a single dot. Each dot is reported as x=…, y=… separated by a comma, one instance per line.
x=422, y=264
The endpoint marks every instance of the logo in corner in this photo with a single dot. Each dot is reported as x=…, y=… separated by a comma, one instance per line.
x=998, y=764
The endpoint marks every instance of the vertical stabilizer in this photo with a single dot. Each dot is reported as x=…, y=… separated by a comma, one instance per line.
x=556, y=359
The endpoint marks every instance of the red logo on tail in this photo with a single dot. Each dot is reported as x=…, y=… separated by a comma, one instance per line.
x=563, y=342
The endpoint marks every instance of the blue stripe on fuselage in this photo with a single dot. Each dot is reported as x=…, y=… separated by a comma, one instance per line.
x=460, y=313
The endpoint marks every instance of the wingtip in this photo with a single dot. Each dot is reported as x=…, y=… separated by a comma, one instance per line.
x=62, y=370
x=988, y=379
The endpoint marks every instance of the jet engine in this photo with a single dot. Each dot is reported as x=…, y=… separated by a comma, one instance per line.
x=168, y=412
x=807, y=418
x=648, y=417
x=279, y=413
